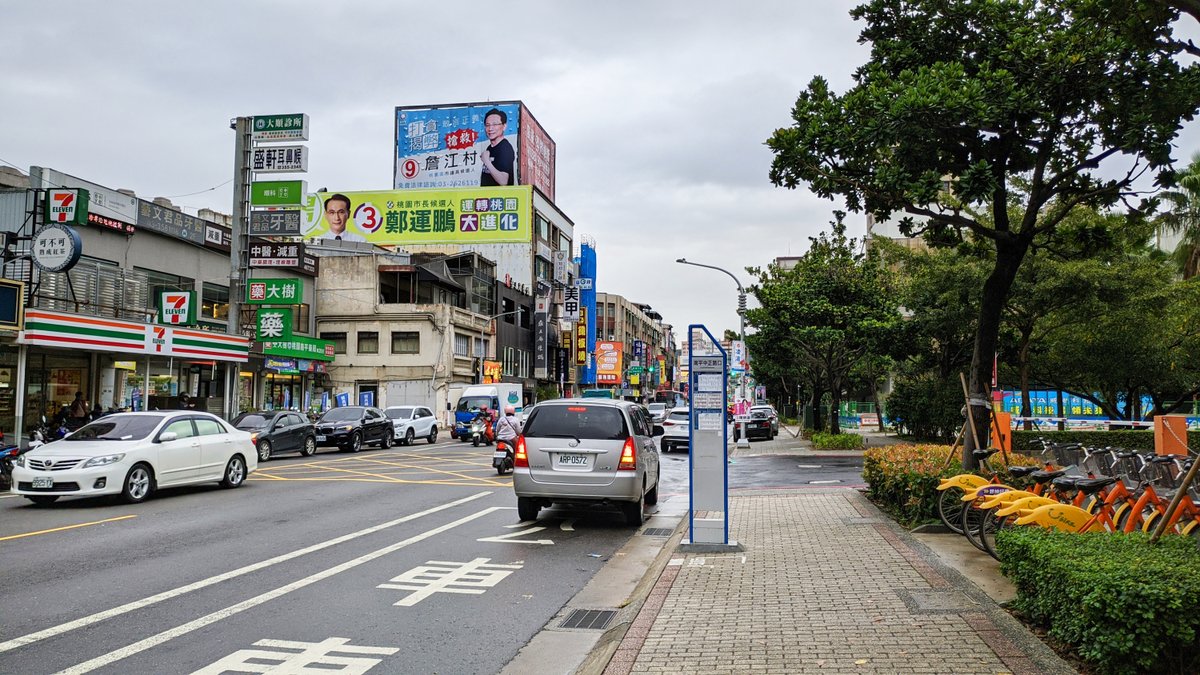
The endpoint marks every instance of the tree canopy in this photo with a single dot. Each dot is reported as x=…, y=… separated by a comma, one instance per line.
x=1015, y=108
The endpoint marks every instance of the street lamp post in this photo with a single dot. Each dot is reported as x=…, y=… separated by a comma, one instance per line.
x=483, y=332
x=743, y=440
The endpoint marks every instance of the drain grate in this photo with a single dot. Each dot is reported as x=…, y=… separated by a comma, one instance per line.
x=657, y=531
x=590, y=619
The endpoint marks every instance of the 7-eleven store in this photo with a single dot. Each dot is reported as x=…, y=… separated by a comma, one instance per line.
x=120, y=364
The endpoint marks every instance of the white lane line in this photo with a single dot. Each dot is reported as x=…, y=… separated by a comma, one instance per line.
x=155, y=640
x=232, y=574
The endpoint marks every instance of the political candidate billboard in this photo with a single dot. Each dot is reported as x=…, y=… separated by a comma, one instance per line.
x=472, y=145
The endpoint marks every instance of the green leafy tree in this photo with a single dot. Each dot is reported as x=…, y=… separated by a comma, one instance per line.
x=1016, y=104
x=829, y=312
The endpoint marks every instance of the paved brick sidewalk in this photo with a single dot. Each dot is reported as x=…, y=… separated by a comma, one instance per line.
x=827, y=584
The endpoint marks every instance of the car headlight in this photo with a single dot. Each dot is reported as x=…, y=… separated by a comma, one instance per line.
x=19, y=461
x=103, y=460
x=253, y=436
x=347, y=427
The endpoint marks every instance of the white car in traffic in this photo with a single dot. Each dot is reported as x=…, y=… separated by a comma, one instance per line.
x=675, y=430
x=134, y=454
x=410, y=422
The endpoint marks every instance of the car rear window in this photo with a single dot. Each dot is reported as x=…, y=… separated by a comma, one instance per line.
x=251, y=421
x=680, y=416
x=577, y=421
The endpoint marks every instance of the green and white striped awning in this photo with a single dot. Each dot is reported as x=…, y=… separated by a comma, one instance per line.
x=59, y=329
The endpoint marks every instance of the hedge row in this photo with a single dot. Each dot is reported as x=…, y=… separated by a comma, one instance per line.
x=824, y=441
x=1124, y=605
x=1027, y=441
x=903, y=479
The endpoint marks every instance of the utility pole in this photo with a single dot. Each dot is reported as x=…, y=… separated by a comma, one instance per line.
x=238, y=248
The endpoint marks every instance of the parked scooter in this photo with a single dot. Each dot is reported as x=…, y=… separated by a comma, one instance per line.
x=9, y=454
x=502, y=458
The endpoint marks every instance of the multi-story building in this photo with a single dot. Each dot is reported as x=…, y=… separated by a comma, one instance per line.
x=629, y=323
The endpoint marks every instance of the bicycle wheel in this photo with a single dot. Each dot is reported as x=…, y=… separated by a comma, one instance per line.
x=992, y=524
x=972, y=523
x=949, y=508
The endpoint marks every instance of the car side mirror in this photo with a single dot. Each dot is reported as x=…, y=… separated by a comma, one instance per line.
x=658, y=430
x=167, y=436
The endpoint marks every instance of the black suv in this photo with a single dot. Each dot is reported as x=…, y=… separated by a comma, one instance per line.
x=352, y=426
x=276, y=431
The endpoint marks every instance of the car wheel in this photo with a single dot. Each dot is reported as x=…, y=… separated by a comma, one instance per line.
x=408, y=436
x=387, y=440
x=264, y=450
x=527, y=509
x=355, y=442
x=432, y=435
x=139, y=483
x=42, y=500
x=235, y=472
x=652, y=495
x=310, y=447
x=635, y=512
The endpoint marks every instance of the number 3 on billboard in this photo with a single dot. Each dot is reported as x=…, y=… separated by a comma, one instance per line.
x=366, y=216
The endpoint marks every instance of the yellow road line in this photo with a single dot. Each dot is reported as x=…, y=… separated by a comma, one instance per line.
x=66, y=527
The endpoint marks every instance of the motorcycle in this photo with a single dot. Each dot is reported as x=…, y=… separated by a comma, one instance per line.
x=480, y=431
x=502, y=458
x=9, y=454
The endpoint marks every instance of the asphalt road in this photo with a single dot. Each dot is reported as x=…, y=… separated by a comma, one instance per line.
x=406, y=560
x=413, y=556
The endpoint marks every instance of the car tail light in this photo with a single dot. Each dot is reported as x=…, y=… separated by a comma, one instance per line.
x=520, y=459
x=668, y=423
x=628, y=456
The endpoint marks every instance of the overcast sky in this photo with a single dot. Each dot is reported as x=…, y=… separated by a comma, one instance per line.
x=659, y=109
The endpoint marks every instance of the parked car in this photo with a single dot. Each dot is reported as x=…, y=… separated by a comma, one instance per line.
x=772, y=416
x=411, y=422
x=758, y=426
x=675, y=431
x=134, y=454
x=353, y=426
x=658, y=412
x=587, y=451
x=277, y=431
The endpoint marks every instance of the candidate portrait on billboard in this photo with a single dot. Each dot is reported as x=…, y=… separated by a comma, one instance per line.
x=457, y=146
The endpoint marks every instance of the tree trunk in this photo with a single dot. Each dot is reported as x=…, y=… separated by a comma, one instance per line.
x=1026, y=404
x=835, y=404
x=1009, y=253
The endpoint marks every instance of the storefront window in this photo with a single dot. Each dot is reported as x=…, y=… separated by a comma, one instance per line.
x=215, y=302
x=8, y=393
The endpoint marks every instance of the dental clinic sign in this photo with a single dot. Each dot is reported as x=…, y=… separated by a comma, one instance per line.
x=177, y=308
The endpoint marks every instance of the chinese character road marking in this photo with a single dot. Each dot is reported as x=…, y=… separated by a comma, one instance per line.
x=262, y=598
x=311, y=657
x=512, y=537
x=439, y=576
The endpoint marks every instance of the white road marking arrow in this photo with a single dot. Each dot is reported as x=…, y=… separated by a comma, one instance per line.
x=512, y=538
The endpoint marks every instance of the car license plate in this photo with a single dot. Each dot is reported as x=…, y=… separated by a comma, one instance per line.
x=320, y=439
x=43, y=483
x=572, y=460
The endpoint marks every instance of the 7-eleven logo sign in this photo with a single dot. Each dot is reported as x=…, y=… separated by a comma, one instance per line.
x=158, y=338
x=177, y=308
x=62, y=206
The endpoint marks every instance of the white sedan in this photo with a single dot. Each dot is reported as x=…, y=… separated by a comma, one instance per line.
x=410, y=422
x=134, y=454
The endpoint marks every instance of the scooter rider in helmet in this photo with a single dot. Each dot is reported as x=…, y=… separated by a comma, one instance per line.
x=508, y=427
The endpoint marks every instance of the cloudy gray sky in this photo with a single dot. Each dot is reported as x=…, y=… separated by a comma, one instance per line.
x=659, y=109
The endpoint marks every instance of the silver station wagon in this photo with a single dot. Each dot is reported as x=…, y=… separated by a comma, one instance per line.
x=587, y=451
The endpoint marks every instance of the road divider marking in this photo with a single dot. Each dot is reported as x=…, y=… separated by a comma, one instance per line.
x=66, y=527
x=167, y=635
x=91, y=619
x=511, y=538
